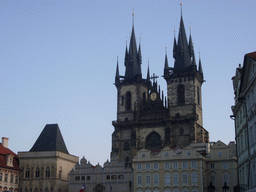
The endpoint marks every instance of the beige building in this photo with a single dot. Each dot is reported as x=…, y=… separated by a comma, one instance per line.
x=113, y=176
x=46, y=166
x=9, y=168
x=190, y=169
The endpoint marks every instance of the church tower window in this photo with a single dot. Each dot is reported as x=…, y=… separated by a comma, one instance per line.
x=27, y=173
x=181, y=93
x=128, y=101
x=181, y=131
x=126, y=146
x=37, y=172
x=144, y=98
x=198, y=96
x=47, y=172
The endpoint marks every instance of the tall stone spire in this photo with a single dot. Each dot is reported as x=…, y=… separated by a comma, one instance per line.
x=182, y=54
x=133, y=58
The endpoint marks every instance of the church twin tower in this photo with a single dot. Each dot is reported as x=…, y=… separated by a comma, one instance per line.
x=145, y=119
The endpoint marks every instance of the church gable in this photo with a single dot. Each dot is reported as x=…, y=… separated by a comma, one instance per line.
x=219, y=145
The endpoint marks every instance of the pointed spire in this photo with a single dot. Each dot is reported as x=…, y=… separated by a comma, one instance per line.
x=139, y=56
x=126, y=57
x=190, y=45
x=148, y=74
x=166, y=66
x=133, y=58
x=182, y=54
x=166, y=60
x=193, y=59
x=117, y=78
x=174, y=46
x=200, y=70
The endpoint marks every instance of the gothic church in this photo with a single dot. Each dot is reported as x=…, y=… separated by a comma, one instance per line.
x=145, y=118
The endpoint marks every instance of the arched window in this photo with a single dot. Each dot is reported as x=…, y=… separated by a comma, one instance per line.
x=198, y=96
x=36, y=190
x=27, y=173
x=144, y=98
x=153, y=141
x=181, y=93
x=181, y=131
x=47, y=172
x=60, y=171
x=46, y=190
x=37, y=172
x=128, y=100
x=126, y=146
x=127, y=159
x=99, y=188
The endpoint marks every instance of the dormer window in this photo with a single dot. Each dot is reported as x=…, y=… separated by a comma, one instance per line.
x=9, y=160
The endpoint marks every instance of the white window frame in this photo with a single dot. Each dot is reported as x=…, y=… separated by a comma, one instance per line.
x=194, y=164
x=194, y=178
x=139, y=166
x=156, y=179
x=139, y=179
x=184, y=177
x=156, y=166
x=167, y=178
x=184, y=164
x=175, y=165
x=166, y=165
x=175, y=178
x=148, y=179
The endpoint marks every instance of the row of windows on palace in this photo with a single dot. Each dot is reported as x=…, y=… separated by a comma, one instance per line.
x=189, y=153
x=40, y=173
x=108, y=177
x=175, y=165
x=5, y=178
x=175, y=179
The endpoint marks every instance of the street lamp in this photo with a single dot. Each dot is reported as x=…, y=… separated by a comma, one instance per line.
x=225, y=188
x=211, y=188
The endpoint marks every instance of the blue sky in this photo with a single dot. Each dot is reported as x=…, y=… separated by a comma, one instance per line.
x=58, y=60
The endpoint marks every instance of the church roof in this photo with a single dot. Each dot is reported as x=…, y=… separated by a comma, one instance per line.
x=50, y=139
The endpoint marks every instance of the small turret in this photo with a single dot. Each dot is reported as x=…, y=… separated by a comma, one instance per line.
x=200, y=69
x=166, y=66
x=117, y=77
x=190, y=46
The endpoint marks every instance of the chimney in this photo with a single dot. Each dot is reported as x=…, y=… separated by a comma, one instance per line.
x=5, y=142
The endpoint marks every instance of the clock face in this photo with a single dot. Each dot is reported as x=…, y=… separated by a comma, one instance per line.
x=153, y=96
